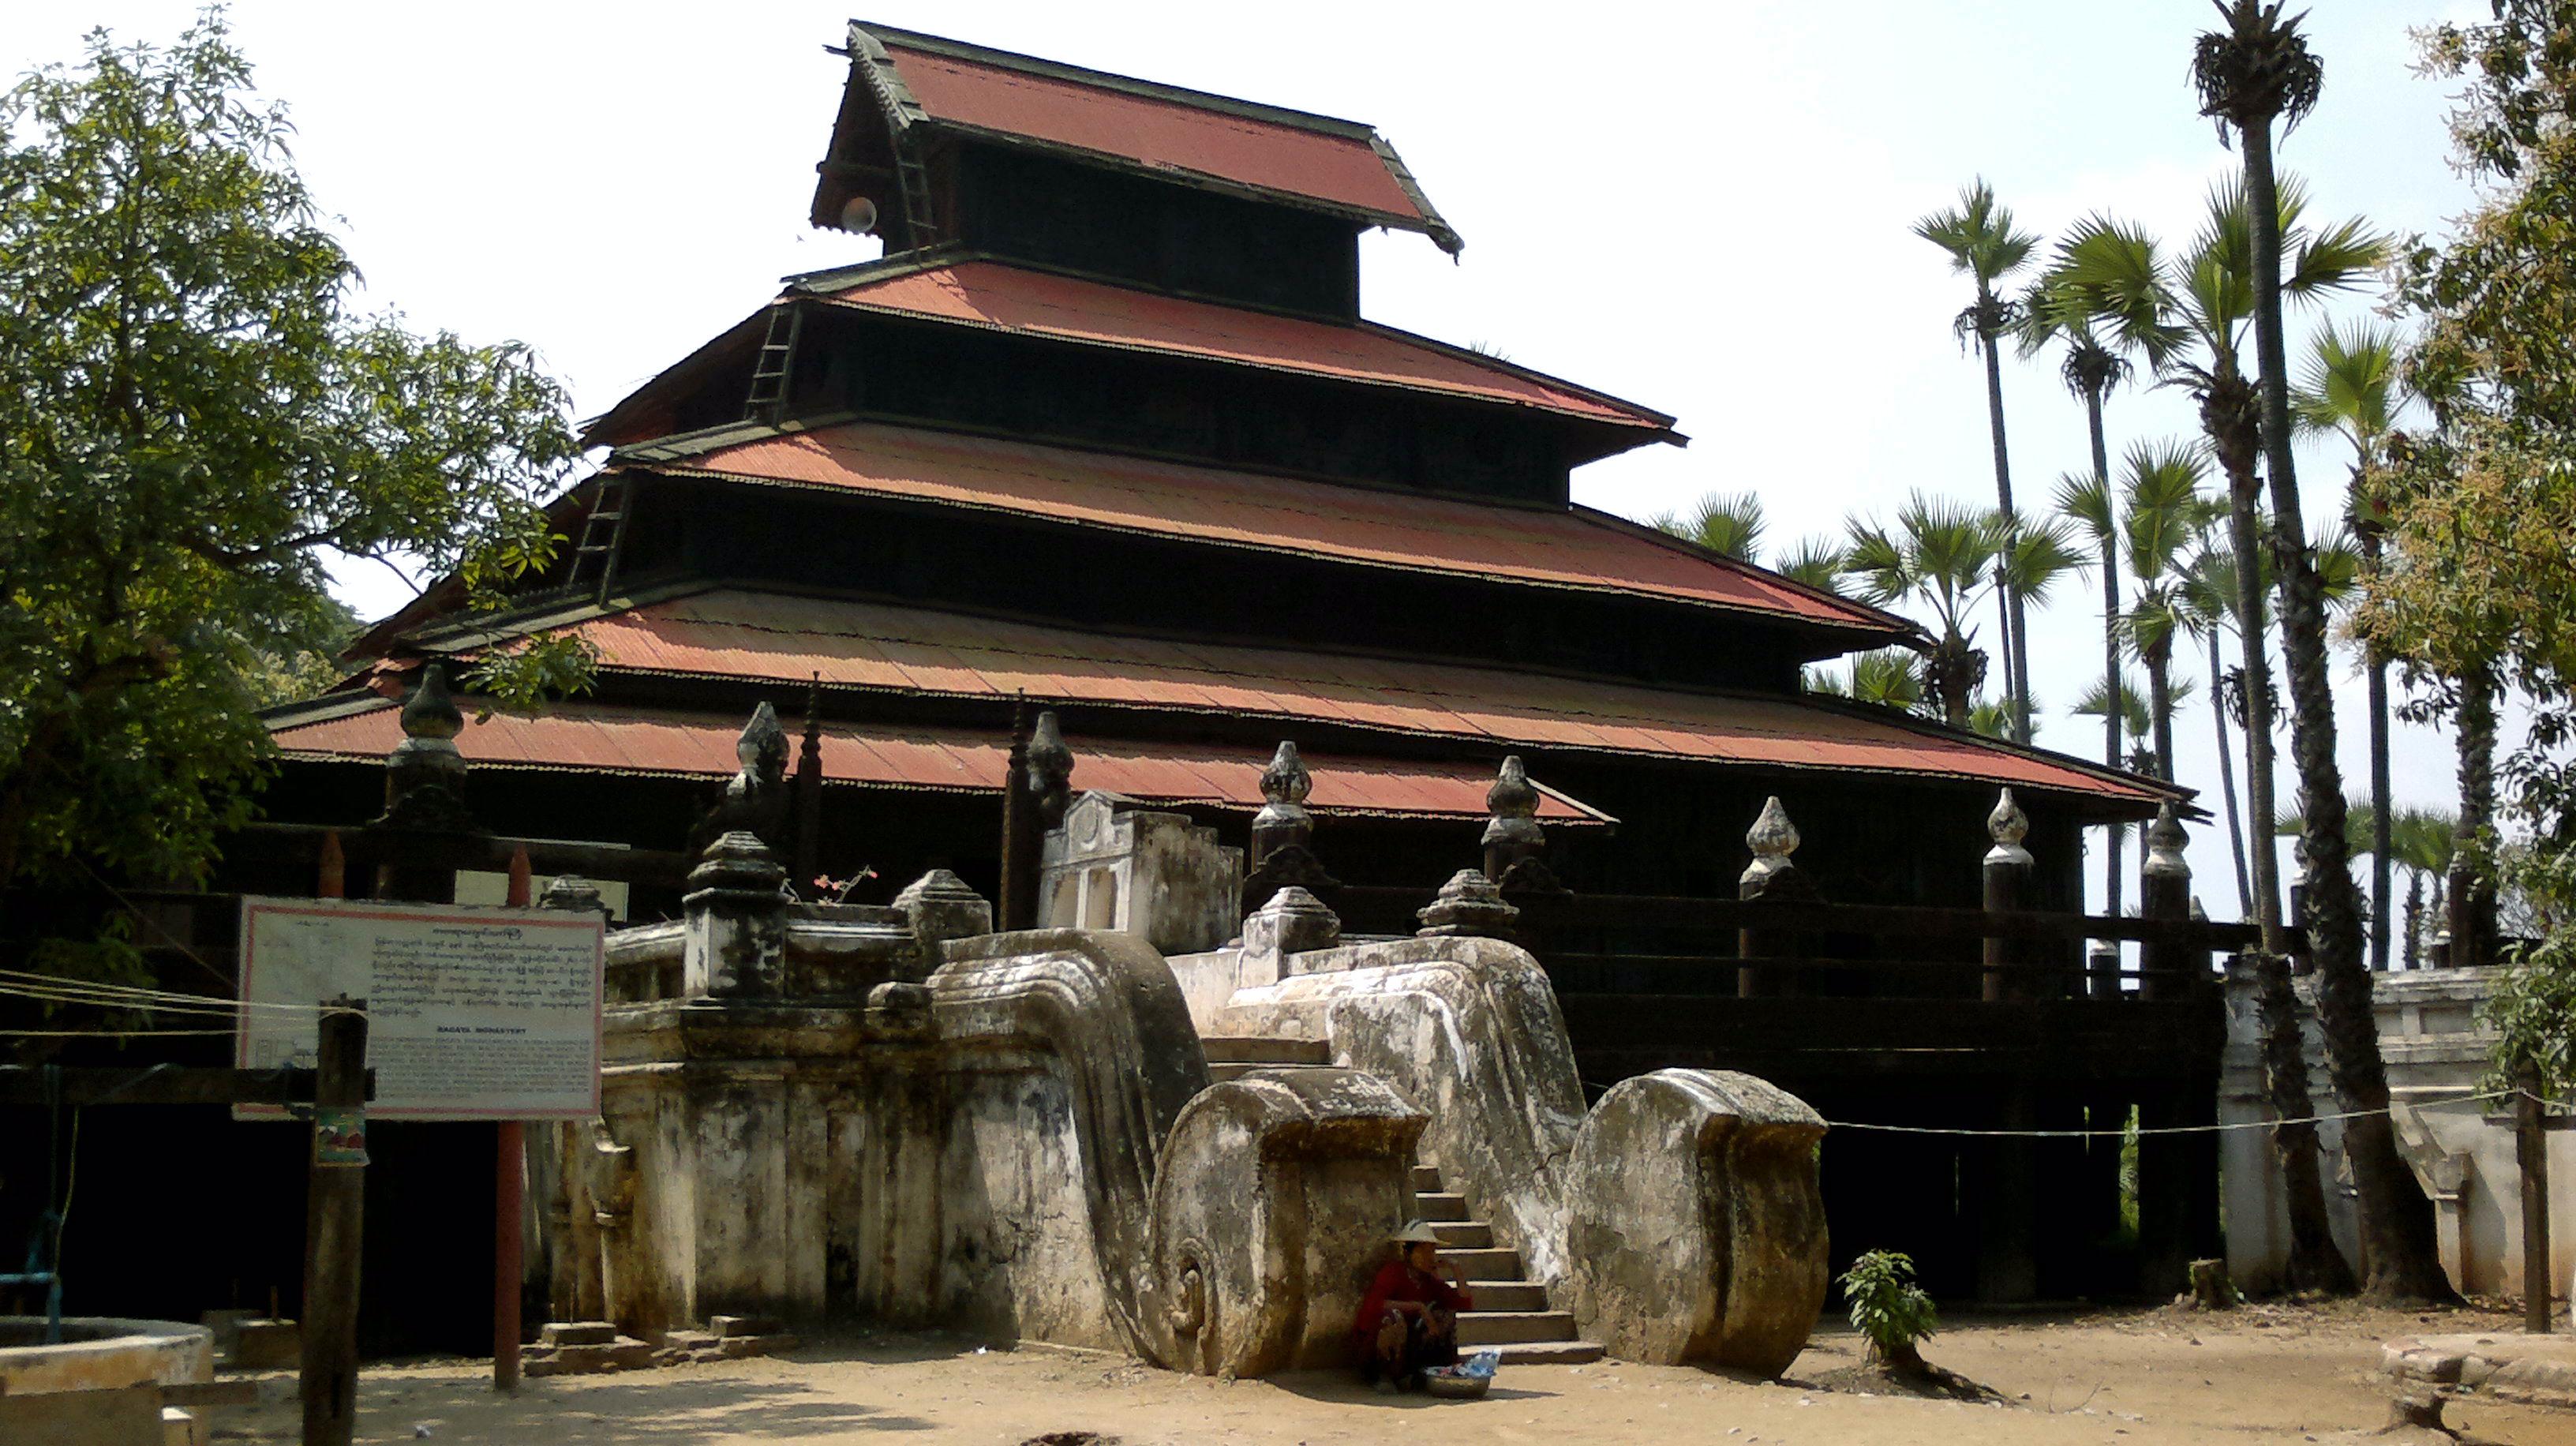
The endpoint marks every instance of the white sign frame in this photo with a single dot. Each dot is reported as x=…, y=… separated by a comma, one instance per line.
x=473, y=994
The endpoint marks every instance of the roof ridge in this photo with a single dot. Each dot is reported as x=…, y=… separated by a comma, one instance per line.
x=1112, y=80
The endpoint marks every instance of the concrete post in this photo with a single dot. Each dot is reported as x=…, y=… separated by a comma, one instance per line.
x=1770, y=876
x=735, y=927
x=2008, y=870
x=2167, y=970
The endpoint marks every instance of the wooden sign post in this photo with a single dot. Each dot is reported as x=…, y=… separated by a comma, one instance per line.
x=334, y=1222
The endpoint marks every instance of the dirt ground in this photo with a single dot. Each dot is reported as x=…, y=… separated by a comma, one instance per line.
x=2261, y=1374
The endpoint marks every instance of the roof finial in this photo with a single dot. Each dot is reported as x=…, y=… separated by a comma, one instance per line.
x=1772, y=838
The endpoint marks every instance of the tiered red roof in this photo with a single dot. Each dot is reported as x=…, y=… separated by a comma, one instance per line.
x=1571, y=547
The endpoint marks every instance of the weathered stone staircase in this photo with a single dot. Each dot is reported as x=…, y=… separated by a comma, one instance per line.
x=1512, y=1317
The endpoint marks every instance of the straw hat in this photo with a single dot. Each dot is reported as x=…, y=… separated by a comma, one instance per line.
x=1417, y=1232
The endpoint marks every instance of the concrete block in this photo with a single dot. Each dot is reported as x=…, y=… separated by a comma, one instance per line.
x=127, y=1416
x=734, y=1348
x=183, y=1427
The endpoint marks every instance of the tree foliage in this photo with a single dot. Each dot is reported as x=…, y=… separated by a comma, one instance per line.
x=201, y=421
x=1889, y=1309
x=2479, y=573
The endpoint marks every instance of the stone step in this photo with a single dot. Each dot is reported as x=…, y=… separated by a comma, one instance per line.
x=1485, y=1264
x=1548, y=1353
x=578, y=1333
x=1439, y=1205
x=1512, y=1327
x=1426, y=1177
x=1464, y=1234
x=1508, y=1294
x=1260, y=1049
x=1219, y=1071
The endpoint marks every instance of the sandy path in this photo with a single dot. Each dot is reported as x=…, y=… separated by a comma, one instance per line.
x=2115, y=1379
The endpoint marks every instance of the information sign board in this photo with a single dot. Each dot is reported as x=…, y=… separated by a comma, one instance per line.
x=472, y=1013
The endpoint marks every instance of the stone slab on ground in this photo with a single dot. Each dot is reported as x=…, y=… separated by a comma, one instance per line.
x=726, y=1327
x=2530, y=1370
x=620, y=1353
x=578, y=1333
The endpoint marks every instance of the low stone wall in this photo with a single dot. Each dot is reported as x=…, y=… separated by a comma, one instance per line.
x=2461, y=1150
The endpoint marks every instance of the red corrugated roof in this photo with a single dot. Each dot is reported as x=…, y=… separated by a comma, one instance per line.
x=1575, y=547
x=769, y=636
x=1011, y=298
x=1109, y=116
x=626, y=740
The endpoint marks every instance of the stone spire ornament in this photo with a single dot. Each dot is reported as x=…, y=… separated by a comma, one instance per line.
x=1772, y=838
x=755, y=798
x=1468, y=907
x=1513, y=839
x=1282, y=853
x=423, y=770
x=2008, y=826
x=1050, y=779
x=2165, y=843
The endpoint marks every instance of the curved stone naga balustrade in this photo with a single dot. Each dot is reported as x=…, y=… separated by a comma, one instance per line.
x=1695, y=1223
x=1468, y=1030
x=1105, y=1008
x=1275, y=1201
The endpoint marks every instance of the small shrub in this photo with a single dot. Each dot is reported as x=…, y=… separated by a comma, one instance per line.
x=1889, y=1308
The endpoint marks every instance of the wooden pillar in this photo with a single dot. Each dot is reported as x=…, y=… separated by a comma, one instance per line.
x=2164, y=1195
x=2008, y=871
x=2006, y=1192
x=334, y=1220
x=2531, y=1154
x=807, y=793
x=1770, y=876
x=2167, y=969
x=1033, y=801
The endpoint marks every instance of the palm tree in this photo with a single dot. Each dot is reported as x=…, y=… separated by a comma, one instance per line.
x=1727, y=523
x=2057, y=308
x=2031, y=558
x=2255, y=71
x=1887, y=677
x=2208, y=595
x=2353, y=389
x=1941, y=555
x=1815, y=561
x=1984, y=246
x=2420, y=842
x=2189, y=314
x=2163, y=512
x=2133, y=714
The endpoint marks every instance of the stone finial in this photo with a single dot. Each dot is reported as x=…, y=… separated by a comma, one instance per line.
x=1772, y=838
x=1294, y=921
x=738, y=862
x=942, y=907
x=762, y=748
x=1469, y=906
x=423, y=770
x=2165, y=841
x=1050, y=779
x=1286, y=784
x=573, y=894
x=2008, y=826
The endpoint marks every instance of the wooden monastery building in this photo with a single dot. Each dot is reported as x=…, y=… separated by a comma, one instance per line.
x=1105, y=433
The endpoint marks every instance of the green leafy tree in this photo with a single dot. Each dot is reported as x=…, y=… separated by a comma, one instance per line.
x=2255, y=71
x=2352, y=389
x=199, y=423
x=1986, y=247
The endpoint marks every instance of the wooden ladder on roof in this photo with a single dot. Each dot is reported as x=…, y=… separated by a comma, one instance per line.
x=919, y=225
x=767, y=400
x=602, y=534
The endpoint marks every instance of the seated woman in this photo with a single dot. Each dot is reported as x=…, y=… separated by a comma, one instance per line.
x=1408, y=1321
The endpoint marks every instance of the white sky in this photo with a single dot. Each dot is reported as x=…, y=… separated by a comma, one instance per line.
x=1702, y=208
